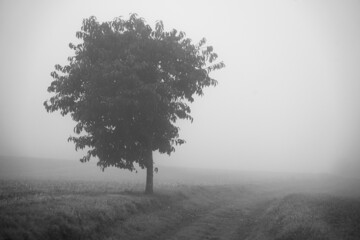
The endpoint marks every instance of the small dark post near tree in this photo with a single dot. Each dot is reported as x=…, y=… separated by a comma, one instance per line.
x=126, y=86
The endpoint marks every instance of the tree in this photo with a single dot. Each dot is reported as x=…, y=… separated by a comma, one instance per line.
x=126, y=86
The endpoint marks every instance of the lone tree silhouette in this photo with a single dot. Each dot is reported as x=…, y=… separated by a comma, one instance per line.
x=126, y=86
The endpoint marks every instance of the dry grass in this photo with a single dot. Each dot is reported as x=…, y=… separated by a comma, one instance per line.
x=96, y=210
x=68, y=210
x=61, y=209
x=312, y=217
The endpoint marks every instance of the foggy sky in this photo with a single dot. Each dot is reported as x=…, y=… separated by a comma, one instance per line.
x=288, y=99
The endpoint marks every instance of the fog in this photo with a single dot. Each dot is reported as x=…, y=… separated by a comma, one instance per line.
x=287, y=101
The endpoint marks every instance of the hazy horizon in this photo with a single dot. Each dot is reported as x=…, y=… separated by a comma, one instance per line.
x=287, y=101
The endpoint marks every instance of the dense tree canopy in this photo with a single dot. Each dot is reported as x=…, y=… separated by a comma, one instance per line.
x=126, y=86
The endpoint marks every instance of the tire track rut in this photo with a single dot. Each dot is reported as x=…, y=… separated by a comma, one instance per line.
x=225, y=221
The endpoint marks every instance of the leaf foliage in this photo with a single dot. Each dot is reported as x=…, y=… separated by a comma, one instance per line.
x=126, y=86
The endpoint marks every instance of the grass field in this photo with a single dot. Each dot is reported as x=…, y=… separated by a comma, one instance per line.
x=187, y=205
x=100, y=210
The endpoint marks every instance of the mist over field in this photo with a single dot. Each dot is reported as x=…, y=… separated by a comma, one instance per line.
x=12, y=168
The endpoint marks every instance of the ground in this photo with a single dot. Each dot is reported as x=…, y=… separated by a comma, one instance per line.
x=49, y=199
x=60, y=209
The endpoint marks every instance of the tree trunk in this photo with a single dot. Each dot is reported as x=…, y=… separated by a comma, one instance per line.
x=149, y=173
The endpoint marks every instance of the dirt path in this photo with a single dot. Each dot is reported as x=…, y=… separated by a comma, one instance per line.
x=232, y=220
x=220, y=223
x=228, y=218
